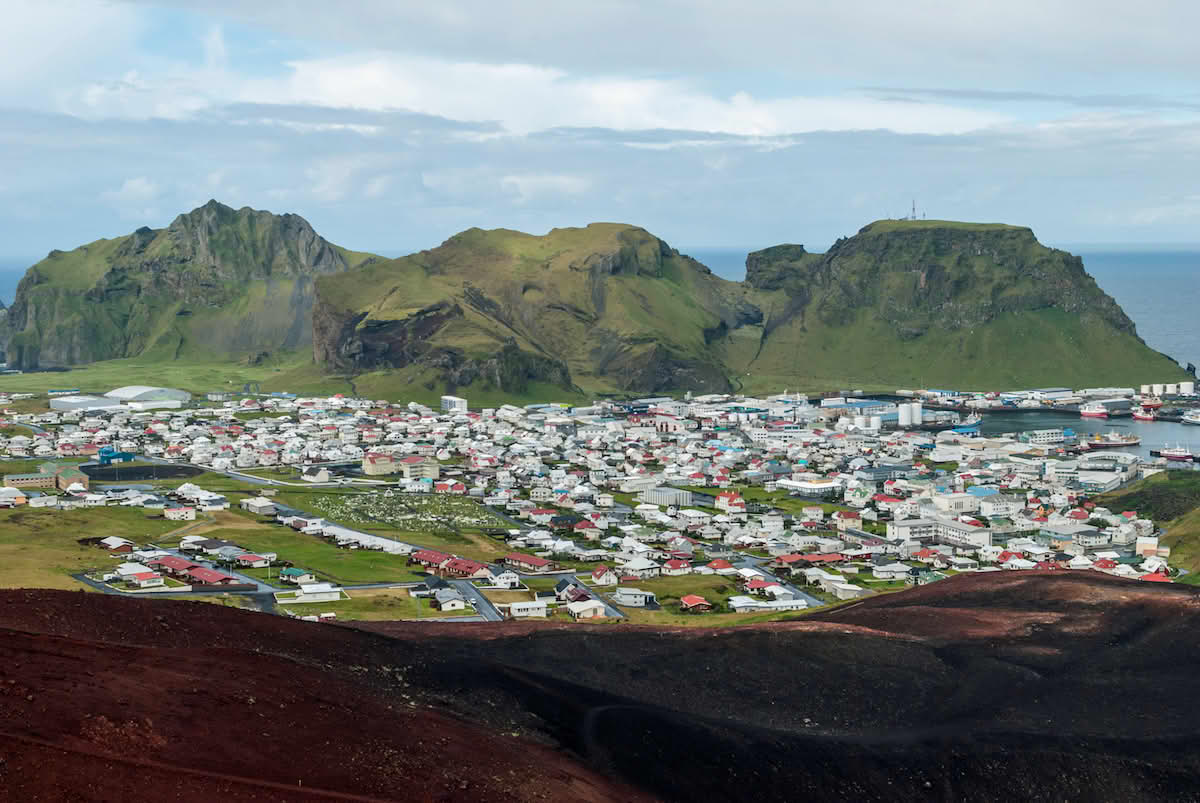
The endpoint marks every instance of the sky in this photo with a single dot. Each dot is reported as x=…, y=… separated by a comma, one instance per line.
x=391, y=125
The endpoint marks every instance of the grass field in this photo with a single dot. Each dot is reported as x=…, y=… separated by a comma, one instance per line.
x=38, y=548
x=343, y=566
x=1172, y=500
x=377, y=604
x=713, y=587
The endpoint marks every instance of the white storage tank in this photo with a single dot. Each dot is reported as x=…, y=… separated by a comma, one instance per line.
x=1157, y=388
x=1187, y=388
x=860, y=421
x=916, y=412
x=1172, y=389
x=877, y=422
x=1145, y=390
x=905, y=413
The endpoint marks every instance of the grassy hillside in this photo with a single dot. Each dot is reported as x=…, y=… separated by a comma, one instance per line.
x=216, y=283
x=604, y=307
x=980, y=306
x=1172, y=500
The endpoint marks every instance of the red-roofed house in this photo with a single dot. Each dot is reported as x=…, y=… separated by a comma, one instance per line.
x=1155, y=577
x=604, y=576
x=462, y=567
x=528, y=563
x=209, y=577
x=694, y=603
x=252, y=561
x=428, y=558
x=722, y=566
x=675, y=567
x=730, y=502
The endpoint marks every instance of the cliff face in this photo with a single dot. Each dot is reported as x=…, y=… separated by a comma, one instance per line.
x=217, y=283
x=941, y=302
x=610, y=305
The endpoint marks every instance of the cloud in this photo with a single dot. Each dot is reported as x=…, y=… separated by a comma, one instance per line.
x=134, y=198
x=529, y=187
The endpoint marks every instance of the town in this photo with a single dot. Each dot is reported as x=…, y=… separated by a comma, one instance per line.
x=702, y=510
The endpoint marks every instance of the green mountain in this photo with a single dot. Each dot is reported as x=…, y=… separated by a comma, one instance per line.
x=936, y=303
x=606, y=307
x=216, y=283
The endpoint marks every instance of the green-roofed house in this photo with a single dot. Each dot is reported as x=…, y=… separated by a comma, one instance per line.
x=297, y=576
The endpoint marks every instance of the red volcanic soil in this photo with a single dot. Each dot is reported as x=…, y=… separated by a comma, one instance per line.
x=101, y=696
x=1055, y=686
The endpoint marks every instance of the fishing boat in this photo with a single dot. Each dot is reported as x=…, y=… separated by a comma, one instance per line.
x=1177, y=452
x=1151, y=402
x=1111, y=440
x=1144, y=414
x=1191, y=416
x=1095, y=410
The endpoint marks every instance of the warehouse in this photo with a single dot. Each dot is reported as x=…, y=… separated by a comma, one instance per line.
x=65, y=403
x=144, y=397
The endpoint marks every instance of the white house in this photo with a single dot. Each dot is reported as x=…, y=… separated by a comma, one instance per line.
x=181, y=513
x=520, y=610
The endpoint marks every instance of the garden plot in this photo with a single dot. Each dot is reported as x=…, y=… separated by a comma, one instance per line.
x=419, y=513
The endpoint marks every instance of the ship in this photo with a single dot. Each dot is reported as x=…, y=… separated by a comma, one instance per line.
x=1151, y=402
x=1191, y=416
x=1096, y=410
x=1177, y=452
x=1111, y=440
x=1144, y=414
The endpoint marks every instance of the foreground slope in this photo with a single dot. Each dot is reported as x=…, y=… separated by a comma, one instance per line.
x=609, y=306
x=1032, y=685
x=938, y=303
x=216, y=283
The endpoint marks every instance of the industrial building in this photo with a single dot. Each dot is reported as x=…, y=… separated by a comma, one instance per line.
x=135, y=395
x=453, y=404
x=82, y=402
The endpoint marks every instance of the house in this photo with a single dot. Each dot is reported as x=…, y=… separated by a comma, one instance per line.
x=528, y=563
x=464, y=568
x=377, y=463
x=209, y=577
x=296, y=576
x=179, y=513
x=641, y=568
x=675, y=567
x=531, y=609
x=730, y=502
x=315, y=474
x=586, y=609
x=503, y=578
x=145, y=579
x=252, y=561
x=694, y=603
x=633, y=597
x=258, y=505
x=429, y=558
x=448, y=599
x=565, y=588
x=604, y=576
x=848, y=591
x=114, y=543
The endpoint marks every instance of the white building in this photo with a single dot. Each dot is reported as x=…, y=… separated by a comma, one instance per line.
x=454, y=404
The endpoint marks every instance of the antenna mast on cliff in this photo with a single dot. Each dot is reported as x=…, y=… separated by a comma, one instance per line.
x=914, y=210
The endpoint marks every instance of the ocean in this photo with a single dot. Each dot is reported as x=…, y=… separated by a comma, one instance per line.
x=1152, y=286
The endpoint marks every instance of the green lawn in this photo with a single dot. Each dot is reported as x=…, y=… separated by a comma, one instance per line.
x=38, y=548
x=377, y=605
x=715, y=588
x=343, y=566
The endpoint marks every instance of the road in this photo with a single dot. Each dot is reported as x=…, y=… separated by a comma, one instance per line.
x=484, y=608
x=756, y=565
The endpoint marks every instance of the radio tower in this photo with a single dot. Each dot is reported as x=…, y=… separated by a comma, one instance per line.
x=914, y=210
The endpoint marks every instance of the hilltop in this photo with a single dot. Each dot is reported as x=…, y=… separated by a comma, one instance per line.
x=937, y=303
x=606, y=308
x=1022, y=685
x=216, y=282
